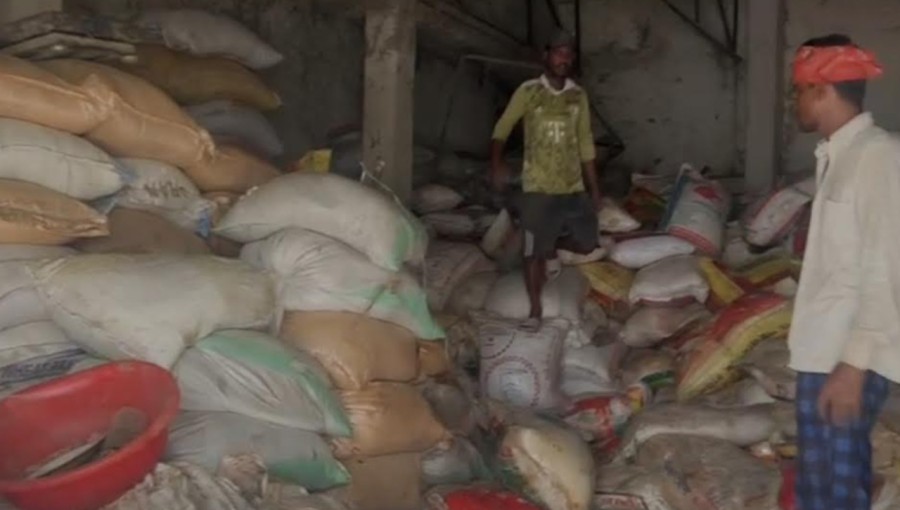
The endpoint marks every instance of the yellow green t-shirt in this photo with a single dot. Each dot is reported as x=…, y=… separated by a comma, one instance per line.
x=558, y=136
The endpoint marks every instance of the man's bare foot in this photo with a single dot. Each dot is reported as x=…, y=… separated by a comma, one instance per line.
x=532, y=324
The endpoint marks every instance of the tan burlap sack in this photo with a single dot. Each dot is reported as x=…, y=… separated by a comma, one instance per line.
x=194, y=80
x=434, y=360
x=354, y=349
x=388, y=482
x=35, y=95
x=231, y=169
x=32, y=214
x=134, y=231
x=143, y=122
x=388, y=418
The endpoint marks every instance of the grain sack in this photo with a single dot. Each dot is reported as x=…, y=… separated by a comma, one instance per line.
x=655, y=368
x=744, y=426
x=601, y=419
x=447, y=265
x=37, y=352
x=562, y=297
x=388, y=482
x=452, y=225
x=771, y=219
x=149, y=307
x=231, y=169
x=222, y=201
x=164, y=190
x=293, y=455
x=724, y=287
x=588, y=370
x=457, y=464
x=697, y=211
x=142, y=122
x=629, y=487
x=738, y=252
x=453, y=408
x=642, y=251
x=355, y=350
x=614, y=219
x=433, y=198
x=670, y=281
x=475, y=498
x=461, y=339
x=552, y=464
x=707, y=473
x=610, y=284
x=282, y=496
x=32, y=214
x=767, y=363
x=746, y=392
x=318, y=273
x=252, y=374
x=519, y=366
x=20, y=252
x=388, y=418
x=201, y=32
x=197, y=80
x=182, y=486
x=371, y=222
x=472, y=292
x=132, y=231
x=650, y=325
x=735, y=331
x=32, y=94
x=434, y=359
x=20, y=302
x=498, y=235
x=56, y=160
x=232, y=124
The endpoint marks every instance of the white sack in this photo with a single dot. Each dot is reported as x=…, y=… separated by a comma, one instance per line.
x=20, y=252
x=447, y=265
x=768, y=363
x=433, y=198
x=643, y=251
x=56, y=160
x=317, y=273
x=671, y=280
x=454, y=225
x=20, y=301
x=771, y=219
x=630, y=487
x=203, y=33
x=650, y=325
x=494, y=240
x=697, y=211
x=471, y=294
x=362, y=217
x=614, y=219
x=230, y=123
x=457, y=464
x=182, y=486
x=588, y=371
x=164, y=190
x=149, y=307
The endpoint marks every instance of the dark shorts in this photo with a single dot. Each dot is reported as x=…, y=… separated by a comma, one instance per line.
x=548, y=219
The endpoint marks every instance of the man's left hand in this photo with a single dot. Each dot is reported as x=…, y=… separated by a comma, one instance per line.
x=597, y=200
x=840, y=403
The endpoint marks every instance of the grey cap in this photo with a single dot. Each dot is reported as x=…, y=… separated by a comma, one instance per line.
x=561, y=38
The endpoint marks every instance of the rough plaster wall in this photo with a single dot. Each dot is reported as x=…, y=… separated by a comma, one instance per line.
x=670, y=95
x=874, y=24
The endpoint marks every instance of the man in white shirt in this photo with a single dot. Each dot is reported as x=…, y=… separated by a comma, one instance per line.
x=845, y=336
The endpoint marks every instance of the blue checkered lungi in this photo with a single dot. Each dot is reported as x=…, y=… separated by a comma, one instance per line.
x=834, y=468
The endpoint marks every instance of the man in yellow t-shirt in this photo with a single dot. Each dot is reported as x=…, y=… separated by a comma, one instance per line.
x=556, y=210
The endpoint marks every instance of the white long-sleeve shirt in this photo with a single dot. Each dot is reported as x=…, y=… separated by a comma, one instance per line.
x=847, y=307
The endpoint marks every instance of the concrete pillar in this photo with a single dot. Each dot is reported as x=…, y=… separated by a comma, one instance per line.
x=14, y=10
x=765, y=93
x=388, y=96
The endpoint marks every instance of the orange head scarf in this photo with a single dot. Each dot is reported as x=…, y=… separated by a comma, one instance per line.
x=832, y=64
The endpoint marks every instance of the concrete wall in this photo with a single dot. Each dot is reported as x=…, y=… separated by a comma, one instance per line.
x=872, y=23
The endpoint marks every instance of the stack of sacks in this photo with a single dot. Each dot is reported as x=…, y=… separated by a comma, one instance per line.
x=351, y=304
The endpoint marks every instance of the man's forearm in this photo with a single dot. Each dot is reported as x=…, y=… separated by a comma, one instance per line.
x=589, y=169
x=497, y=147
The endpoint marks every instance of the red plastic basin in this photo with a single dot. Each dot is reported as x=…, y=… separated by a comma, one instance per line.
x=40, y=422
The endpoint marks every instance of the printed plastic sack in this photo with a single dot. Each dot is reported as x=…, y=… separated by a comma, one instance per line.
x=471, y=293
x=231, y=169
x=669, y=282
x=388, y=418
x=771, y=219
x=714, y=472
x=655, y=368
x=201, y=32
x=296, y=456
x=738, y=252
x=614, y=219
x=650, y=325
x=735, y=331
x=457, y=464
x=252, y=374
x=32, y=94
x=37, y=352
x=56, y=160
x=150, y=307
x=354, y=349
x=134, y=231
x=143, y=122
x=521, y=367
x=642, y=251
x=317, y=273
x=32, y=214
x=767, y=363
x=562, y=297
x=182, y=486
x=724, y=287
x=630, y=487
x=196, y=80
x=164, y=190
x=553, y=464
x=386, y=482
x=697, y=211
x=375, y=224
x=433, y=198
x=588, y=370
x=743, y=426
x=602, y=419
x=610, y=284
x=232, y=124
x=475, y=498
x=447, y=265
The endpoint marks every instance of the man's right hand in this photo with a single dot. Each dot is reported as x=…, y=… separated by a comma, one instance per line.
x=500, y=176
